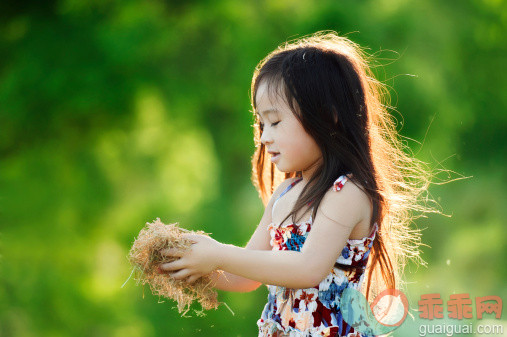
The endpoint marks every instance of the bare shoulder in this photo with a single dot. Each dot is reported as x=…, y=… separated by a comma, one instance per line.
x=281, y=187
x=348, y=206
x=260, y=240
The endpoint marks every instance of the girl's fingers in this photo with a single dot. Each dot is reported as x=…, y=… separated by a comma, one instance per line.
x=175, y=265
x=181, y=274
x=193, y=278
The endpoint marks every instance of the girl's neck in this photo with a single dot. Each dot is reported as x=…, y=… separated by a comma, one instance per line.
x=307, y=174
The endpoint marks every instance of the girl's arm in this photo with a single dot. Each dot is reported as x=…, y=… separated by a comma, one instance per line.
x=230, y=282
x=337, y=215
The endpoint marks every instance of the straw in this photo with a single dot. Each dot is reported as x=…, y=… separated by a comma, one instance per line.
x=145, y=258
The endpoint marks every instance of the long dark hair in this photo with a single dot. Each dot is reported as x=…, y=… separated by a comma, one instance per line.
x=327, y=83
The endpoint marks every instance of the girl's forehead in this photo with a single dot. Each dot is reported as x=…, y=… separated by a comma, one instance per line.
x=268, y=97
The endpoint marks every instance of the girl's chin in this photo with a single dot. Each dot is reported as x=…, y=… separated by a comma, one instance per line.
x=283, y=169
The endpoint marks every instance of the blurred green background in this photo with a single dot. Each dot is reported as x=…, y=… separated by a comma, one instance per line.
x=113, y=113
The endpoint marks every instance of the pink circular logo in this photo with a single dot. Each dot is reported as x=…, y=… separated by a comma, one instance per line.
x=390, y=307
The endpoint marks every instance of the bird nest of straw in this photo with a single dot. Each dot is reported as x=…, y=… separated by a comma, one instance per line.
x=145, y=258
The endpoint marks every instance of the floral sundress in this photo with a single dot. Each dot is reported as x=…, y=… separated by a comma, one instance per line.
x=313, y=311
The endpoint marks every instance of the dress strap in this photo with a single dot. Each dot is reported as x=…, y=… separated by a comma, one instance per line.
x=285, y=191
x=289, y=187
x=338, y=184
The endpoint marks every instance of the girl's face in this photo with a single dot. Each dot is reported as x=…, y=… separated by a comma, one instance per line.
x=290, y=146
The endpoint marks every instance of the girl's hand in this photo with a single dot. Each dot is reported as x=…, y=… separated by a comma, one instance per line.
x=200, y=259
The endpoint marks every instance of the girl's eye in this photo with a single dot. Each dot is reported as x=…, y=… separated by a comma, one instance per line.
x=272, y=124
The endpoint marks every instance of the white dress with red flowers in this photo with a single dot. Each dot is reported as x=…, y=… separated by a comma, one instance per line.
x=313, y=311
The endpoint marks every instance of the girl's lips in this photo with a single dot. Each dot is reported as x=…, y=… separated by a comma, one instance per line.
x=275, y=157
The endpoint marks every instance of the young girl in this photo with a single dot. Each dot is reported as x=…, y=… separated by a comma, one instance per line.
x=338, y=187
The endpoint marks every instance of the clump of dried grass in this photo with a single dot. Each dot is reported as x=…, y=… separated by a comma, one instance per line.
x=145, y=258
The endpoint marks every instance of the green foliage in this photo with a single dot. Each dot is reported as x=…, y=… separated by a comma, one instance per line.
x=115, y=113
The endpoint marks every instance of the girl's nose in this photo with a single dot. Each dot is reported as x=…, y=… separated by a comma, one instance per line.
x=266, y=137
